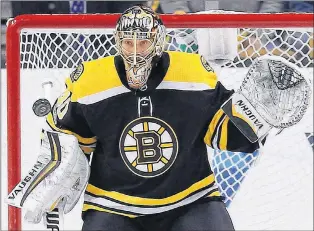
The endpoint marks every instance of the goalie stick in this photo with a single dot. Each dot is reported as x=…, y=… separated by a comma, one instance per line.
x=54, y=220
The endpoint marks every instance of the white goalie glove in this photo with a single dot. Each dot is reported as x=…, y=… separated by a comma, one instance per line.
x=273, y=94
x=58, y=178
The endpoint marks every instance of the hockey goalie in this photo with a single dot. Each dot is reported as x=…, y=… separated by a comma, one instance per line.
x=146, y=115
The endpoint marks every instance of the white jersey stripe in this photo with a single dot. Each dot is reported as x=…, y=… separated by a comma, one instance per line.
x=94, y=98
x=146, y=210
x=183, y=86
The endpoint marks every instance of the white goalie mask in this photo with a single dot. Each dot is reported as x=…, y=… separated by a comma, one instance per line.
x=140, y=38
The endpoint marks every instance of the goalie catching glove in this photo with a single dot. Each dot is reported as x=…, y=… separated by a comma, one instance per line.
x=58, y=177
x=274, y=93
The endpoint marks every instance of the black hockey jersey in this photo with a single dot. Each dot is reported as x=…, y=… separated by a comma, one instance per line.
x=149, y=146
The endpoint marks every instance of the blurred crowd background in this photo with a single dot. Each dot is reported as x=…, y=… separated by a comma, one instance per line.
x=14, y=8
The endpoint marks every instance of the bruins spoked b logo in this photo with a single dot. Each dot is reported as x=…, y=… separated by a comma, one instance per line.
x=148, y=146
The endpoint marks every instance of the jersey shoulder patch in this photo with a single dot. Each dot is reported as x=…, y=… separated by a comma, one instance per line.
x=94, y=76
x=206, y=64
x=76, y=74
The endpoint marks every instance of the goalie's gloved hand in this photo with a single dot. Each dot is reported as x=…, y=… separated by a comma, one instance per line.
x=60, y=175
x=274, y=93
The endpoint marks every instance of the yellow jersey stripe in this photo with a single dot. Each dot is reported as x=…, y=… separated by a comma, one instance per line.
x=105, y=202
x=214, y=194
x=150, y=201
x=87, y=150
x=212, y=126
x=87, y=207
x=224, y=135
x=85, y=141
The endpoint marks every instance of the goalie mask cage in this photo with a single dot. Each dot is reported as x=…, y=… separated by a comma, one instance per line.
x=53, y=42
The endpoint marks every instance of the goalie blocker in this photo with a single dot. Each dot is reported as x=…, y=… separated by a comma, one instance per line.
x=56, y=180
x=273, y=94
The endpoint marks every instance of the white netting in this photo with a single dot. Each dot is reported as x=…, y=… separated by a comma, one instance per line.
x=62, y=49
x=281, y=181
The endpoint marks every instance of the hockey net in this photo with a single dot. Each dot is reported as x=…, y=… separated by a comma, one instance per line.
x=262, y=191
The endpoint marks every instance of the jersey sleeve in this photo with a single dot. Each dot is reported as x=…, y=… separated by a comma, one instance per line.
x=222, y=133
x=67, y=117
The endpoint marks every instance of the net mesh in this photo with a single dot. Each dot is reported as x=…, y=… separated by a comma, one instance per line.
x=230, y=169
x=65, y=49
x=48, y=49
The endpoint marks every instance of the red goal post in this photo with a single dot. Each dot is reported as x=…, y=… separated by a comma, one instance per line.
x=234, y=20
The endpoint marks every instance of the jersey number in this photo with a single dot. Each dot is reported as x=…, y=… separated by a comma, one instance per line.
x=63, y=104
